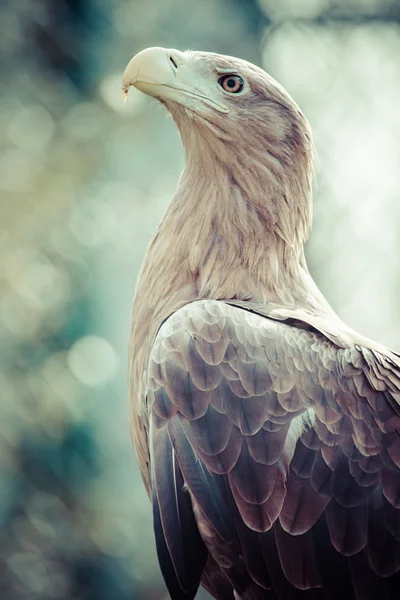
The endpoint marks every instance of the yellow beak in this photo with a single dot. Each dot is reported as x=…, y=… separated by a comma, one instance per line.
x=165, y=74
x=150, y=69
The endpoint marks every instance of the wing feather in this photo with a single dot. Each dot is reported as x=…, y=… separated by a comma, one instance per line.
x=201, y=483
x=296, y=553
x=279, y=435
x=174, y=522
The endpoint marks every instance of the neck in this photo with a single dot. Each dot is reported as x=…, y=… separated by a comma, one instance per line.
x=222, y=239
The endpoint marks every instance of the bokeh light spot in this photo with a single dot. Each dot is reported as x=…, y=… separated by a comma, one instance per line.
x=92, y=360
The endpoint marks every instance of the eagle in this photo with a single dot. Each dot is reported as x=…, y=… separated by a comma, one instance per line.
x=266, y=430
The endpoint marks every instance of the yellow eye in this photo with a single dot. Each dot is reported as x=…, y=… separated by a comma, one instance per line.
x=231, y=83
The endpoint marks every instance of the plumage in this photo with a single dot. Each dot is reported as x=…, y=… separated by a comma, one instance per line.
x=267, y=431
x=175, y=519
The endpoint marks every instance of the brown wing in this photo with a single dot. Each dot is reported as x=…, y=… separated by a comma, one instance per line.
x=289, y=450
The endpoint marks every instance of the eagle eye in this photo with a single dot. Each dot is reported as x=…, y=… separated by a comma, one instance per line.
x=231, y=83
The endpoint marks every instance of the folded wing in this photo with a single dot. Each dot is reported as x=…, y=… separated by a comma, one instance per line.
x=288, y=449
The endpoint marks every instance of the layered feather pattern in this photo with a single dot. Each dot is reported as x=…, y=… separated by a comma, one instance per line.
x=288, y=449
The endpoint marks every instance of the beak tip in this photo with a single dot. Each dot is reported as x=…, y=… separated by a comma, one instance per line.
x=152, y=66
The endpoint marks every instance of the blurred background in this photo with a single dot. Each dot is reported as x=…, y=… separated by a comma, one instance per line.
x=85, y=179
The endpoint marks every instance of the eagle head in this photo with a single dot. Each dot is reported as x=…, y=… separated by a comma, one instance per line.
x=230, y=112
x=241, y=132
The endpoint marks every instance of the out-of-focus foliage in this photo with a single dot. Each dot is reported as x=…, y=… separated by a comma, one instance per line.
x=84, y=180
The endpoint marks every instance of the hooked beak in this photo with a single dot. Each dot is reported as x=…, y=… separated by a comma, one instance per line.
x=148, y=70
x=164, y=74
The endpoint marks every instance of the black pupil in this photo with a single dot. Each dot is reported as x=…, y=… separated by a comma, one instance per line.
x=231, y=83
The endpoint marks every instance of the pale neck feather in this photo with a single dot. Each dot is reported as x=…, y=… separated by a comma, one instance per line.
x=218, y=241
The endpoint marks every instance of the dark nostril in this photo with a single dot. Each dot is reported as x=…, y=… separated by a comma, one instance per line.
x=173, y=62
